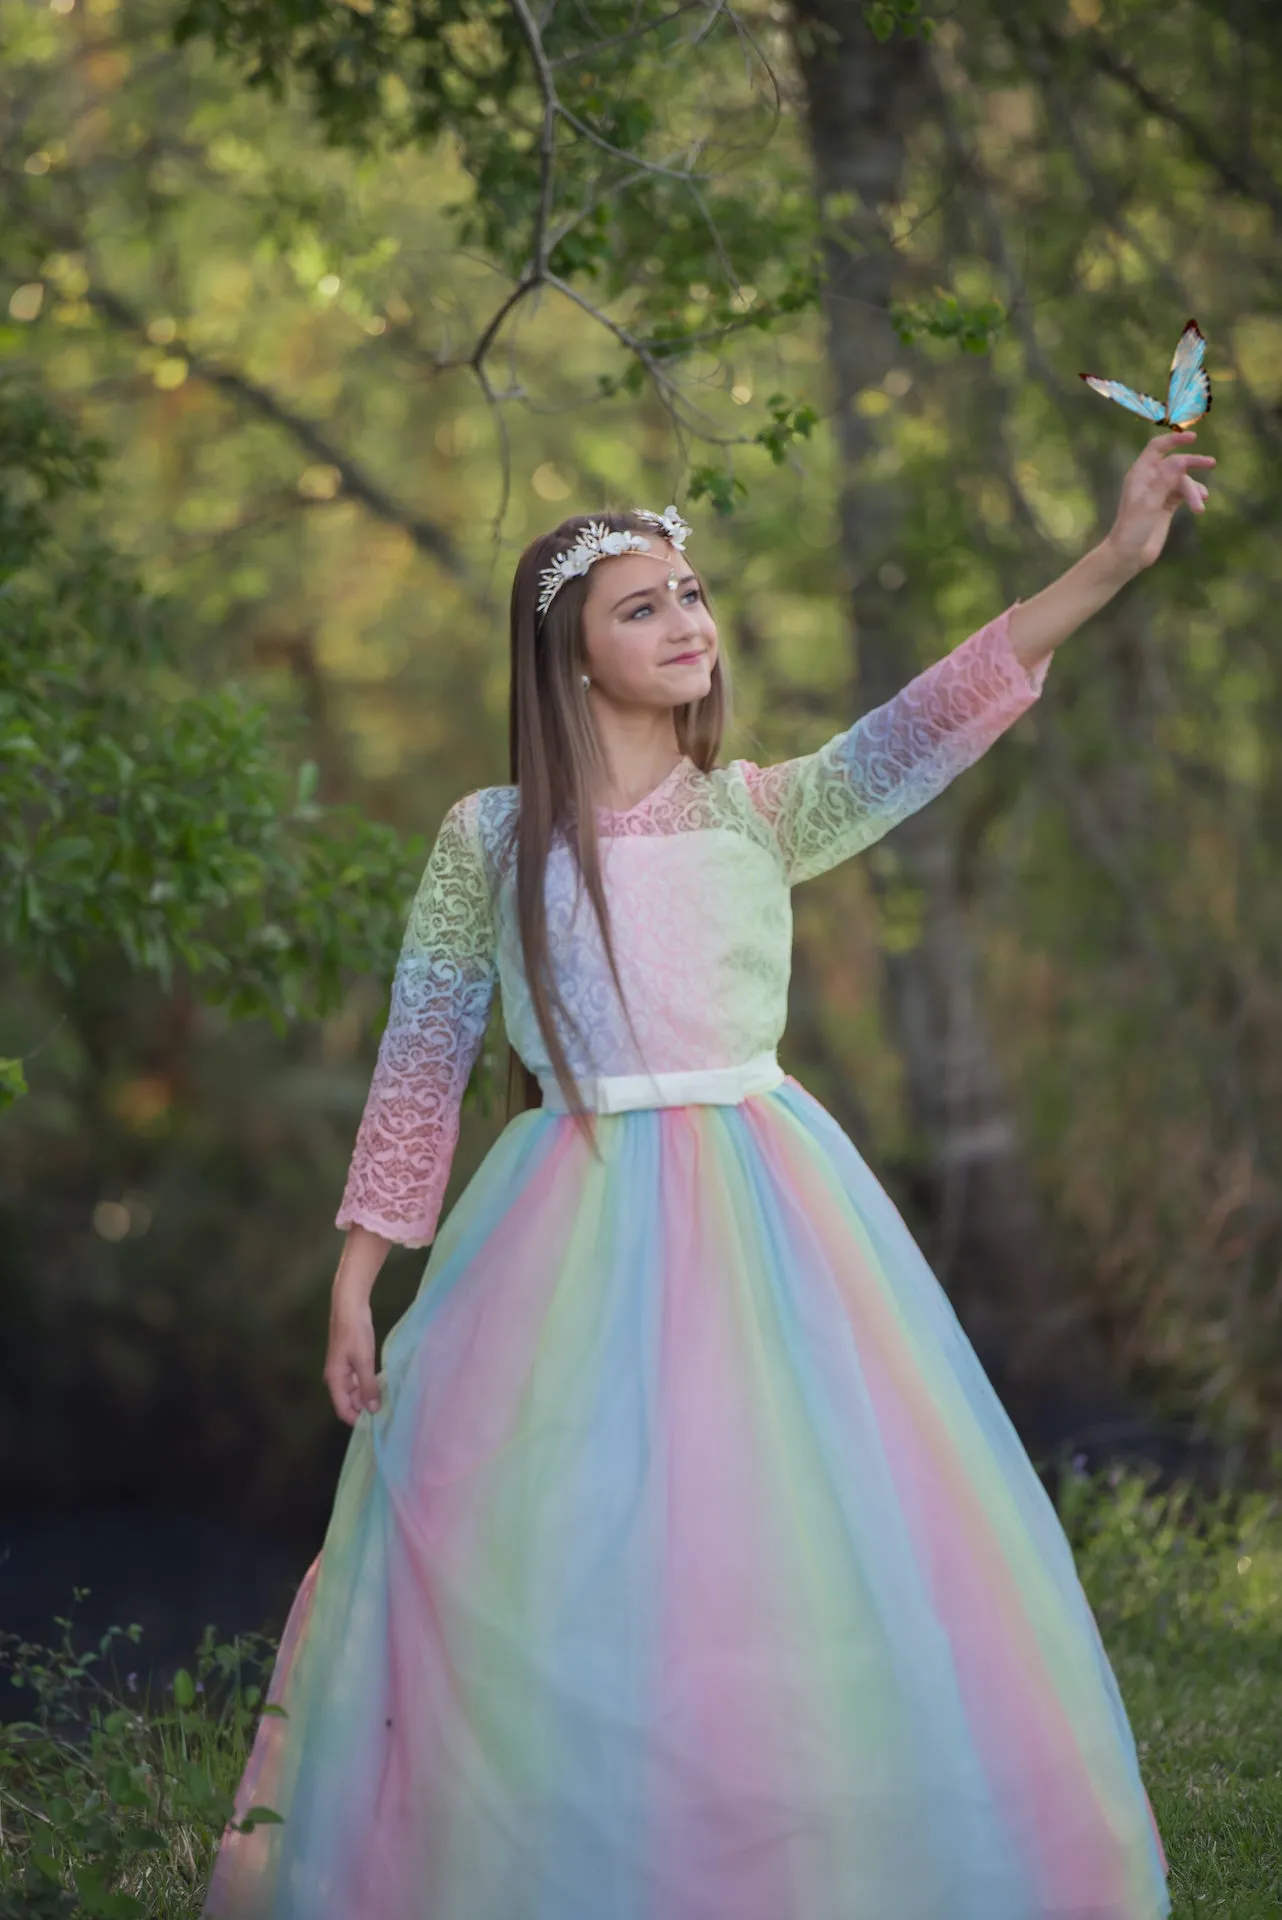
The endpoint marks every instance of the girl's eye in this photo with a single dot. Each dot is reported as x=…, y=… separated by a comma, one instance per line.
x=691, y=593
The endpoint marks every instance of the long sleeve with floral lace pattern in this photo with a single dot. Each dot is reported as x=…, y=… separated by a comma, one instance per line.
x=441, y=996
x=827, y=805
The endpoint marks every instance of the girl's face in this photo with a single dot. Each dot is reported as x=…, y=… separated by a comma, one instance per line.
x=648, y=644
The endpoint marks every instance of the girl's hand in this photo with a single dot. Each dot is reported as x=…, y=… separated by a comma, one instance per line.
x=1160, y=481
x=349, y=1363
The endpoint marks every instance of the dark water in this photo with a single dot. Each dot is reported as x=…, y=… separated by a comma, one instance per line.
x=172, y=1572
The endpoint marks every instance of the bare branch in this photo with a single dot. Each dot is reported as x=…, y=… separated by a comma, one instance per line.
x=688, y=419
x=599, y=47
x=1238, y=177
x=477, y=356
x=493, y=402
x=671, y=394
x=1104, y=199
x=715, y=11
x=357, y=484
x=547, y=136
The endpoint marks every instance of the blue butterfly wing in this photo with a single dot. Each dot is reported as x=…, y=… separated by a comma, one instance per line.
x=1141, y=403
x=1188, y=396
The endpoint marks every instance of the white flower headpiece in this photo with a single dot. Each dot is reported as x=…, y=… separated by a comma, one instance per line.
x=596, y=542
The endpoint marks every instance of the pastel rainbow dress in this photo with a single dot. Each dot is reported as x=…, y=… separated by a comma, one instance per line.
x=690, y=1568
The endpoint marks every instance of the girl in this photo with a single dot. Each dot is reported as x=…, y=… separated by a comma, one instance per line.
x=683, y=1565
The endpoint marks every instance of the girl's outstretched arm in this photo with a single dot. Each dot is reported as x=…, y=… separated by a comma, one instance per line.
x=1160, y=481
x=823, y=807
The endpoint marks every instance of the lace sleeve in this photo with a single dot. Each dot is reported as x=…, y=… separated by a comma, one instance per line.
x=827, y=805
x=441, y=996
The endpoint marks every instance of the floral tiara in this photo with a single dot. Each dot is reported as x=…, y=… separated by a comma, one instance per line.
x=596, y=542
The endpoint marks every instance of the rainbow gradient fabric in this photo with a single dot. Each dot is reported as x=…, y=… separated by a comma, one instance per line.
x=690, y=1568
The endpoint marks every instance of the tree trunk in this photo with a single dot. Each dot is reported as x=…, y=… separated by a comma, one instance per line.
x=988, y=1241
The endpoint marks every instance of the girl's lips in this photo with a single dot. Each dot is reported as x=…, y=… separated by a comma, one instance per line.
x=680, y=659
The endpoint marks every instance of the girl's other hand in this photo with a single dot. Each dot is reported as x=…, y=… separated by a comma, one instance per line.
x=1160, y=481
x=349, y=1363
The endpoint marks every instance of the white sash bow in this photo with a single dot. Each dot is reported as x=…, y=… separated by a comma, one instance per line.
x=696, y=1086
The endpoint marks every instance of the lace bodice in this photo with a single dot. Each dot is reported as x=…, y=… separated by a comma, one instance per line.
x=697, y=876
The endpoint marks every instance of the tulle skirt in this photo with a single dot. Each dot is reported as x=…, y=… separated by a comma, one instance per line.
x=690, y=1570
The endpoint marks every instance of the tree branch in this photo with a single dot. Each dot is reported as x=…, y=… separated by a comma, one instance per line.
x=598, y=47
x=357, y=484
x=1233, y=173
x=1106, y=203
x=547, y=137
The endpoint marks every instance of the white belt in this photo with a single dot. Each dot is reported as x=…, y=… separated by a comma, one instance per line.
x=699, y=1086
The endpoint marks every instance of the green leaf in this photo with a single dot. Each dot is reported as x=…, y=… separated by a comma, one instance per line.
x=13, y=1082
x=123, y=1788
x=200, y=1787
x=98, y=1899
x=945, y=317
x=259, y=1817
x=885, y=17
x=184, y=1688
x=74, y=847
x=717, y=486
x=45, y=1863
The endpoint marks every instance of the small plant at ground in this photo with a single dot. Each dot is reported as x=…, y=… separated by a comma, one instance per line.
x=113, y=1799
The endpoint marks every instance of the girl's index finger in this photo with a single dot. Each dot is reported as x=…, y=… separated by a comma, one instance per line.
x=1167, y=442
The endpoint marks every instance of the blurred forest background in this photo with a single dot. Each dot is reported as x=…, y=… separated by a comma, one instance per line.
x=312, y=315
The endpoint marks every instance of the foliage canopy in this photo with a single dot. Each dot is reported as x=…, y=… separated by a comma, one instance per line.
x=137, y=813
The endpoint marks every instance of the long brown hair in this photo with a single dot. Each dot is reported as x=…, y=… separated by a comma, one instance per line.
x=557, y=765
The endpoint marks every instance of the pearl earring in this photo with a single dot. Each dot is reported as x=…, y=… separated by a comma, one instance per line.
x=586, y=683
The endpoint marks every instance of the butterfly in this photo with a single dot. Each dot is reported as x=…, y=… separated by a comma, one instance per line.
x=1188, y=393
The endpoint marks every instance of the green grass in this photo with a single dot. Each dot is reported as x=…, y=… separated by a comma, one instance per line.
x=111, y=1802
x=1188, y=1595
